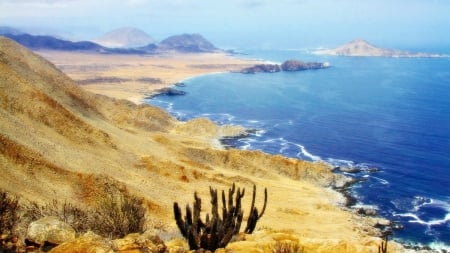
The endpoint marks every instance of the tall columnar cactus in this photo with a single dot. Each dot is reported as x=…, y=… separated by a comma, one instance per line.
x=383, y=247
x=217, y=231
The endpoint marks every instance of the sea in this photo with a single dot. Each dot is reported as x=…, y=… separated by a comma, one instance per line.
x=387, y=117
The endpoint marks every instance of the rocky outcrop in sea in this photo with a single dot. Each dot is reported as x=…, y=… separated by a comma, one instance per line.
x=289, y=66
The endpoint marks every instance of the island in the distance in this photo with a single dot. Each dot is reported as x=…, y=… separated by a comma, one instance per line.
x=289, y=65
x=360, y=47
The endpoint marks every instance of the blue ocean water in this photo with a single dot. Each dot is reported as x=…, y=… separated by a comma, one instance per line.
x=392, y=114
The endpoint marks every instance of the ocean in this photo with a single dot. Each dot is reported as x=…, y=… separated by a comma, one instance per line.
x=387, y=114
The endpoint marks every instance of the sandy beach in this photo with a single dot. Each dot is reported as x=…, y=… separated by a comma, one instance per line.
x=134, y=77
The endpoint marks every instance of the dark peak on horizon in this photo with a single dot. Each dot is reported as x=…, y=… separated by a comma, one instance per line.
x=50, y=42
x=187, y=43
x=184, y=43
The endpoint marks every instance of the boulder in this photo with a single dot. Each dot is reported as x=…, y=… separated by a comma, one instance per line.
x=146, y=241
x=51, y=230
x=88, y=242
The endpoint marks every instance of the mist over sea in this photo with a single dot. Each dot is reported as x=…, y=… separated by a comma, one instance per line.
x=392, y=114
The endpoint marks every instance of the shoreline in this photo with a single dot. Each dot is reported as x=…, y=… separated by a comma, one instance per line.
x=120, y=76
x=85, y=67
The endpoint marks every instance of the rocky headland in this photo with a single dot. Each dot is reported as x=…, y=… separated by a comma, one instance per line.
x=361, y=47
x=289, y=66
x=64, y=148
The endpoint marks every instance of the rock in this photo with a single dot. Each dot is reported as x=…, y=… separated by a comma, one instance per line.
x=51, y=230
x=294, y=65
x=367, y=211
x=349, y=169
x=262, y=68
x=146, y=242
x=289, y=65
x=166, y=92
x=88, y=242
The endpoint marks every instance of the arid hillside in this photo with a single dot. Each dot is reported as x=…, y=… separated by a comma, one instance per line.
x=60, y=142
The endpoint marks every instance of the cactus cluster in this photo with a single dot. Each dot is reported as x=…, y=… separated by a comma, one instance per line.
x=217, y=230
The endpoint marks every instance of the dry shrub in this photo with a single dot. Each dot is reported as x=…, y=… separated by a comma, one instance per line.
x=118, y=214
x=287, y=247
x=115, y=213
x=76, y=217
x=9, y=212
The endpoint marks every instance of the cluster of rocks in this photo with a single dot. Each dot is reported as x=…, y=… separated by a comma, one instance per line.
x=165, y=92
x=289, y=66
x=50, y=234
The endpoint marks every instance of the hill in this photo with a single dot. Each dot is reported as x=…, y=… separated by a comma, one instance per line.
x=9, y=30
x=48, y=42
x=59, y=142
x=361, y=47
x=126, y=37
x=189, y=43
x=186, y=43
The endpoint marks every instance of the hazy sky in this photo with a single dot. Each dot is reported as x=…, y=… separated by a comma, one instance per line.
x=243, y=23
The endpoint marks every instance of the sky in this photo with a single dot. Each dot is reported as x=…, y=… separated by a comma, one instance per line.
x=242, y=23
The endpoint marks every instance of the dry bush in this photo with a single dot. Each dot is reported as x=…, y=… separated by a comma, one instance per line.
x=76, y=217
x=118, y=214
x=115, y=216
x=9, y=212
x=287, y=247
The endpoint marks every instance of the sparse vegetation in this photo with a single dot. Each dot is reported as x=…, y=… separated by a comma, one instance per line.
x=76, y=217
x=383, y=247
x=216, y=232
x=9, y=217
x=9, y=212
x=119, y=214
x=287, y=247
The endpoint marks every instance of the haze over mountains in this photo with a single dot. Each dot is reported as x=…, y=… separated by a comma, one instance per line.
x=127, y=37
x=121, y=41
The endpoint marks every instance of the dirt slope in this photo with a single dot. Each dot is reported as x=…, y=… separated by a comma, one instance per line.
x=58, y=141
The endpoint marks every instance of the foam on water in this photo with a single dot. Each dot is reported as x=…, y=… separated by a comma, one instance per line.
x=384, y=117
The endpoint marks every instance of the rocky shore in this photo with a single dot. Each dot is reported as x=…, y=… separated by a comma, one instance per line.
x=288, y=66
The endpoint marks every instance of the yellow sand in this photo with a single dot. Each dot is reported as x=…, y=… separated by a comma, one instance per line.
x=169, y=67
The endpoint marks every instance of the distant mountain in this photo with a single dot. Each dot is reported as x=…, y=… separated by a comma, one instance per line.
x=37, y=42
x=361, y=47
x=52, y=43
x=190, y=43
x=9, y=30
x=186, y=43
x=126, y=37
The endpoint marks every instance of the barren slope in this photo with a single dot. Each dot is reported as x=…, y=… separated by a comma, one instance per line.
x=59, y=141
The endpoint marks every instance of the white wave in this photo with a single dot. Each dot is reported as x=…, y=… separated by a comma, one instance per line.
x=307, y=154
x=340, y=162
x=440, y=246
x=382, y=181
x=417, y=219
x=260, y=133
x=221, y=117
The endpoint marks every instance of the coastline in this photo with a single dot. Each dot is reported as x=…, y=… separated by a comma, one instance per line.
x=121, y=76
x=320, y=211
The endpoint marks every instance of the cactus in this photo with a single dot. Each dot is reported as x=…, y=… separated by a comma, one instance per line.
x=217, y=231
x=383, y=247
